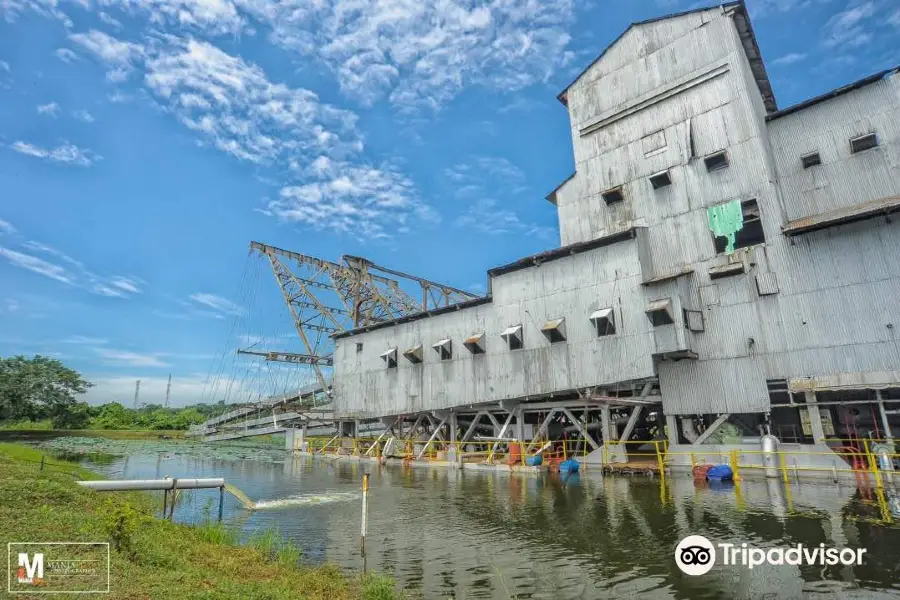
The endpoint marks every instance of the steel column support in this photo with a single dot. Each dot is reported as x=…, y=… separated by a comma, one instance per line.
x=632, y=421
x=672, y=429
x=542, y=428
x=884, y=418
x=472, y=426
x=581, y=428
x=815, y=418
x=431, y=439
x=606, y=424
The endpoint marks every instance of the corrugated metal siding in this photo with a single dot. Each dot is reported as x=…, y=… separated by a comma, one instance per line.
x=838, y=288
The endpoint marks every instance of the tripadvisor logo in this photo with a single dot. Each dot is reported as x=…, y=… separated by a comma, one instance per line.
x=696, y=555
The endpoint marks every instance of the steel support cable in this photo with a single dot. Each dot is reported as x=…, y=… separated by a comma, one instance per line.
x=209, y=386
x=246, y=300
x=241, y=290
x=246, y=290
x=248, y=314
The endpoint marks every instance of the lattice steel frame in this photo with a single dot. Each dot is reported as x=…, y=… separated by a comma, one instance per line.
x=325, y=298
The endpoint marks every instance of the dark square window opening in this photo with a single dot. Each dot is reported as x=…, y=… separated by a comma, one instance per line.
x=811, y=160
x=515, y=343
x=613, y=196
x=660, y=180
x=660, y=317
x=750, y=234
x=359, y=347
x=716, y=161
x=863, y=142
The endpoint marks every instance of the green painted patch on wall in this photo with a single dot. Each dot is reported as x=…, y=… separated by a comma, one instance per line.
x=725, y=220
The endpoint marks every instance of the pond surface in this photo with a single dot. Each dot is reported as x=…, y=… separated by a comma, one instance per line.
x=470, y=534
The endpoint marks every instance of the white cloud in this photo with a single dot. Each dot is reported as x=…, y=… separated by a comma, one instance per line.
x=4, y=66
x=415, y=53
x=85, y=340
x=50, y=109
x=485, y=174
x=358, y=200
x=133, y=359
x=36, y=265
x=66, y=55
x=488, y=217
x=894, y=19
x=66, y=153
x=126, y=284
x=217, y=303
x=6, y=227
x=847, y=29
x=233, y=104
x=11, y=305
x=75, y=274
x=110, y=20
x=83, y=115
x=790, y=58
x=192, y=388
x=119, y=56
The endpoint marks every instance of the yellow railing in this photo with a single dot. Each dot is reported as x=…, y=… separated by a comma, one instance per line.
x=856, y=456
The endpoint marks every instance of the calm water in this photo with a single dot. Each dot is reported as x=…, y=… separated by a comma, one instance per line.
x=453, y=534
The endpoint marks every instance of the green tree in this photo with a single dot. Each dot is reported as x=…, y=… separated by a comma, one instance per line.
x=75, y=416
x=113, y=416
x=38, y=387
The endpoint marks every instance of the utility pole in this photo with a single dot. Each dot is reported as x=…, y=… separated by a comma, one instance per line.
x=168, y=389
x=137, y=392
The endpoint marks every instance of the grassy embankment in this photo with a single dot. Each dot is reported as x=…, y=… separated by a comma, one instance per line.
x=36, y=429
x=153, y=558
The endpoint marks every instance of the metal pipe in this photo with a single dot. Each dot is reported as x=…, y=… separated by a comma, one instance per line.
x=221, y=501
x=152, y=484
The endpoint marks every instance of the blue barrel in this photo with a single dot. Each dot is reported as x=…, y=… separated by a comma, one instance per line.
x=720, y=473
x=534, y=461
x=569, y=466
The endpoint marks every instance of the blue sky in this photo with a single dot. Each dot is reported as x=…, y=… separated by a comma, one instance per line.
x=144, y=143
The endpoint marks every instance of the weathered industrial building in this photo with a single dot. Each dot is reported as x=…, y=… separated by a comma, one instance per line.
x=721, y=262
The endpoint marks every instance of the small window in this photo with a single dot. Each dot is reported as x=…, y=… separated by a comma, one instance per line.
x=613, y=196
x=810, y=160
x=475, y=343
x=716, y=161
x=660, y=180
x=750, y=234
x=414, y=354
x=555, y=330
x=660, y=312
x=604, y=321
x=513, y=337
x=390, y=358
x=863, y=142
x=444, y=348
x=359, y=347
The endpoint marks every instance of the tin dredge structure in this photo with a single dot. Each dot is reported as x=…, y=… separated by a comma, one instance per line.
x=727, y=271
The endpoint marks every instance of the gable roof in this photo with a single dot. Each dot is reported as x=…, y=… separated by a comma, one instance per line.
x=745, y=30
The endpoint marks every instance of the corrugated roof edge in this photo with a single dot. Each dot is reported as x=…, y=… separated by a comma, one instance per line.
x=557, y=253
x=523, y=263
x=833, y=93
x=415, y=317
x=551, y=197
x=644, y=22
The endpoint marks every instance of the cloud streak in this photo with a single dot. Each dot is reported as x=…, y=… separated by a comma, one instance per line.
x=66, y=153
x=65, y=269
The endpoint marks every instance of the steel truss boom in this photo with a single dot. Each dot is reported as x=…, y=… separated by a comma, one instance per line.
x=326, y=297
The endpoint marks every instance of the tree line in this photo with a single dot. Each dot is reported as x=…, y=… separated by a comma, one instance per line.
x=41, y=389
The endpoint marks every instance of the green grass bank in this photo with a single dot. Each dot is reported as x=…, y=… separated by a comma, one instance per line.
x=153, y=558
